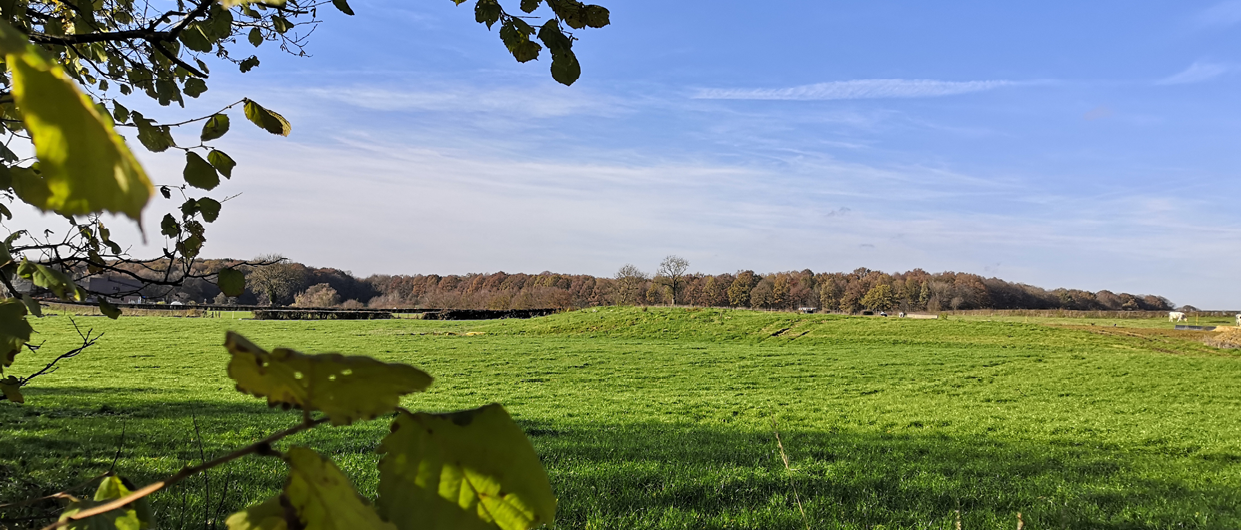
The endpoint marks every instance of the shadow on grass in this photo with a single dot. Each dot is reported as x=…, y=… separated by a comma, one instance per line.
x=669, y=476
x=658, y=475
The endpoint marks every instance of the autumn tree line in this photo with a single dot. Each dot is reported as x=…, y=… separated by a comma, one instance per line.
x=283, y=282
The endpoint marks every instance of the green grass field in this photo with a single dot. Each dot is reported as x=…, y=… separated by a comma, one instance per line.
x=663, y=418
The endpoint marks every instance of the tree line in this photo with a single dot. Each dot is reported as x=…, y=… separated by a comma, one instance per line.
x=283, y=282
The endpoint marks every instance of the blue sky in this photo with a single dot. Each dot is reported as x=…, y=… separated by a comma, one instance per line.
x=1091, y=145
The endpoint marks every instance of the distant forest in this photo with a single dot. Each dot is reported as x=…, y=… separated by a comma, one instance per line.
x=290, y=283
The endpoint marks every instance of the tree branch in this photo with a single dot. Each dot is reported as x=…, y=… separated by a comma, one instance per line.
x=85, y=38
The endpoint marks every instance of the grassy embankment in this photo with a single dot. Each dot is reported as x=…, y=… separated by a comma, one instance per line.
x=663, y=418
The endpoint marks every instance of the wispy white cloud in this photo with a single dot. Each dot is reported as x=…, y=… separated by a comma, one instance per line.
x=859, y=89
x=1196, y=73
x=532, y=101
x=1223, y=14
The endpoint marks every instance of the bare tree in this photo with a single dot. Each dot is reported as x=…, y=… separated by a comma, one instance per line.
x=672, y=270
x=629, y=280
x=278, y=281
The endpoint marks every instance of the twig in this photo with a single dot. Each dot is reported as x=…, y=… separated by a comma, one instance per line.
x=59, y=495
x=262, y=446
x=202, y=457
x=792, y=483
x=87, y=342
x=120, y=445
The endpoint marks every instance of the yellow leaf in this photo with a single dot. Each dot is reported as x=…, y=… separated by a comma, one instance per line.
x=345, y=388
x=134, y=516
x=12, y=389
x=270, y=515
x=323, y=498
x=86, y=166
x=469, y=469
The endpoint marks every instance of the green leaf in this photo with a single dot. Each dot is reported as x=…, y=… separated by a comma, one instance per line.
x=222, y=162
x=266, y=119
x=487, y=12
x=554, y=39
x=11, y=388
x=190, y=246
x=86, y=165
x=231, y=282
x=248, y=64
x=344, y=388
x=109, y=310
x=530, y=6
x=156, y=138
x=32, y=305
x=526, y=51
x=469, y=469
x=59, y=283
x=210, y=209
x=28, y=186
x=516, y=36
x=194, y=87
x=343, y=6
x=7, y=155
x=565, y=68
x=268, y=515
x=215, y=127
x=189, y=207
x=120, y=112
x=256, y=37
x=134, y=516
x=322, y=496
x=193, y=38
x=169, y=227
x=199, y=173
x=14, y=329
x=281, y=24
x=596, y=16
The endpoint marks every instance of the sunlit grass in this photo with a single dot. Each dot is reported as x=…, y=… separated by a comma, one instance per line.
x=663, y=418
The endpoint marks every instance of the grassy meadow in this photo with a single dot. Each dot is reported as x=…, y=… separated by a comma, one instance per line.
x=667, y=418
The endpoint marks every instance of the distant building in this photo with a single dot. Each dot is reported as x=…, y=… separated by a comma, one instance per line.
x=113, y=287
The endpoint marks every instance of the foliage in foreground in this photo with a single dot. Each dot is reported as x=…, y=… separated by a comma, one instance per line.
x=467, y=469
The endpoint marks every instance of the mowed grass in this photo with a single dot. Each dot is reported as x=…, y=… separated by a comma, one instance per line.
x=663, y=418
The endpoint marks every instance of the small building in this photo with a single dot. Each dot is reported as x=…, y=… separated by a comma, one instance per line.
x=113, y=287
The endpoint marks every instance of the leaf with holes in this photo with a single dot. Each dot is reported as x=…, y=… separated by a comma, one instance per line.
x=345, y=388
x=468, y=469
x=210, y=208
